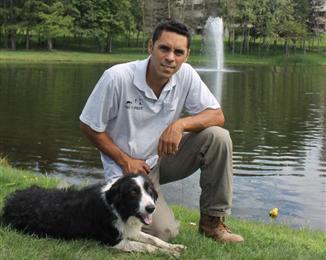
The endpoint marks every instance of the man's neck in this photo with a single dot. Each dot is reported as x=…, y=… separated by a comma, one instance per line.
x=155, y=82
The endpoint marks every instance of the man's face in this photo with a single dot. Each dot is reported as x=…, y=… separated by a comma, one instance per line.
x=168, y=53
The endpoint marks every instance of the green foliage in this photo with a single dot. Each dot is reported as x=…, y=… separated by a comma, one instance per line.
x=54, y=20
x=103, y=21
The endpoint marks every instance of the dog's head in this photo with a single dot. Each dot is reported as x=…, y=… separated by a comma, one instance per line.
x=133, y=195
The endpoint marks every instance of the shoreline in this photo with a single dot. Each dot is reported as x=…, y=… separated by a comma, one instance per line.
x=59, y=56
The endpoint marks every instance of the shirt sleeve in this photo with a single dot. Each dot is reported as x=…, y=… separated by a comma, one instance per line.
x=102, y=104
x=199, y=96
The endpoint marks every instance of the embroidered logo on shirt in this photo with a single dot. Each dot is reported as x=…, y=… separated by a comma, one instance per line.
x=136, y=104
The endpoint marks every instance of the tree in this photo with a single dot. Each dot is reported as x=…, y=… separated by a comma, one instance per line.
x=285, y=25
x=14, y=10
x=103, y=19
x=303, y=11
x=4, y=17
x=246, y=19
x=138, y=13
x=55, y=21
x=30, y=15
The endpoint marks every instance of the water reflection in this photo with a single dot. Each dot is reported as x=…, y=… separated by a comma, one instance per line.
x=275, y=115
x=39, y=126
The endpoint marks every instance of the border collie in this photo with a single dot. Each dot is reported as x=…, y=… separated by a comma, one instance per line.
x=112, y=213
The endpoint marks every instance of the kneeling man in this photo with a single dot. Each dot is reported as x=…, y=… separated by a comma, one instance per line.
x=133, y=118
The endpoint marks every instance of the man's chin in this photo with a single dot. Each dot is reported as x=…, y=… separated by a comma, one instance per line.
x=166, y=74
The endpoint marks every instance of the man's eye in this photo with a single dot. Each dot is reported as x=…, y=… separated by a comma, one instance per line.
x=179, y=52
x=164, y=48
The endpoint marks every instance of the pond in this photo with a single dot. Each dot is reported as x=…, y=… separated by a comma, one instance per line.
x=276, y=117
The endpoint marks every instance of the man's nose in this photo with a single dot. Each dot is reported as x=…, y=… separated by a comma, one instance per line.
x=170, y=56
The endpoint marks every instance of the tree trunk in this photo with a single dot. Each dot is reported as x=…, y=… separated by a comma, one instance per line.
x=5, y=39
x=275, y=45
x=137, y=38
x=13, y=39
x=241, y=45
x=110, y=44
x=295, y=47
x=50, y=44
x=286, y=47
x=247, y=41
x=27, y=39
x=144, y=43
x=128, y=38
x=39, y=39
x=233, y=41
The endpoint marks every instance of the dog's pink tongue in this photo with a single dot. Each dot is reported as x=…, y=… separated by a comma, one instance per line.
x=148, y=219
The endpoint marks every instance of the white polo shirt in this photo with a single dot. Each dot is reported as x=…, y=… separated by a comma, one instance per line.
x=124, y=106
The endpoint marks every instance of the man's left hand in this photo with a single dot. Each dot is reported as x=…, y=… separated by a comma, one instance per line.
x=170, y=139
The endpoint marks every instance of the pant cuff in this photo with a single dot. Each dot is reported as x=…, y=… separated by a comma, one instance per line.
x=216, y=212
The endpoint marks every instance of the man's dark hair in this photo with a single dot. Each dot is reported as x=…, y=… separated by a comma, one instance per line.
x=172, y=26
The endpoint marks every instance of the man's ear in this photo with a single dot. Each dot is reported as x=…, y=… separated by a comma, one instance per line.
x=150, y=46
x=188, y=53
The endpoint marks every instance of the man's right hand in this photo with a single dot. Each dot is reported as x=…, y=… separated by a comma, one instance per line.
x=106, y=145
x=132, y=165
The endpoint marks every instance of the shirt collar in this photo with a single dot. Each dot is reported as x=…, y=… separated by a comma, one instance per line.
x=140, y=79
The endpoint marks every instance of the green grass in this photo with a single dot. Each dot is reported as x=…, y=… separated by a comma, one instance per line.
x=262, y=241
x=124, y=55
x=66, y=56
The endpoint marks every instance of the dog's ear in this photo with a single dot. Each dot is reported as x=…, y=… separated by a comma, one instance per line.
x=112, y=196
x=155, y=194
x=152, y=189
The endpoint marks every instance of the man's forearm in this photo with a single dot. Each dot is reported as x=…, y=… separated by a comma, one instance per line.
x=206, y=118
x=105, y=144
x=172, y=135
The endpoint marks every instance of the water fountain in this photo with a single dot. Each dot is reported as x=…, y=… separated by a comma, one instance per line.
x=213, y=42
x=213, y=47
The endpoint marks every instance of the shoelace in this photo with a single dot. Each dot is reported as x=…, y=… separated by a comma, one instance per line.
x=225, y=227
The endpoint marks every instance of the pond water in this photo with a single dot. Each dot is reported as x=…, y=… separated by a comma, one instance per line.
x=276, y=117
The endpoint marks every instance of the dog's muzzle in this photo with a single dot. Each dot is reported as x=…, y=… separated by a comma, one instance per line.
x=147, y=217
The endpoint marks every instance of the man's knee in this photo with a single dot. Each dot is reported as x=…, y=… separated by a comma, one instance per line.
x=163, y=232
x=216, y=134
x=168, y=232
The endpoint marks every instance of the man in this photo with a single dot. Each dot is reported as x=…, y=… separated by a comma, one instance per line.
x=133, y=118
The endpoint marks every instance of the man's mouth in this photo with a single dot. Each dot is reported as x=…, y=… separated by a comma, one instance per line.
x=169, y=67
x=145, y=218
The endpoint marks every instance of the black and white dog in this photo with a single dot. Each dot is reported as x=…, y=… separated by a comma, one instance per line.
x=111, y=213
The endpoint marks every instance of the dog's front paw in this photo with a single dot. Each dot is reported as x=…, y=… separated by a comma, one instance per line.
x=175, y=253
x=179, y=248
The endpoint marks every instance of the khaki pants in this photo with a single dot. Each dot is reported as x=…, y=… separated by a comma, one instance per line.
x=209, y=150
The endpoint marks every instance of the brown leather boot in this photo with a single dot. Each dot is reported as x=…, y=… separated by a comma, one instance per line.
x=214, y=228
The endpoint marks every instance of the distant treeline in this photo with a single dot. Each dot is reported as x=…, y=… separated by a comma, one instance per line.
x=43, y=24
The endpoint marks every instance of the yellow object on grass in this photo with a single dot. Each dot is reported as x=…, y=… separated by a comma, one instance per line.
x=273, y=213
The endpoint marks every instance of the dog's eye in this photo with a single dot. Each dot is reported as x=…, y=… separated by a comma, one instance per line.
x=134, y=191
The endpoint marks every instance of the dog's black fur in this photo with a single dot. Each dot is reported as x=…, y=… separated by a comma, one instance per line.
x=70, y=213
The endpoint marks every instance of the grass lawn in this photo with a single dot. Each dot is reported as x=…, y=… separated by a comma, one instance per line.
x=262, y=241
x=124, y=55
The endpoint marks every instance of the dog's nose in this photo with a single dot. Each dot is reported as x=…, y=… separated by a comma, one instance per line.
x=150, y=208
